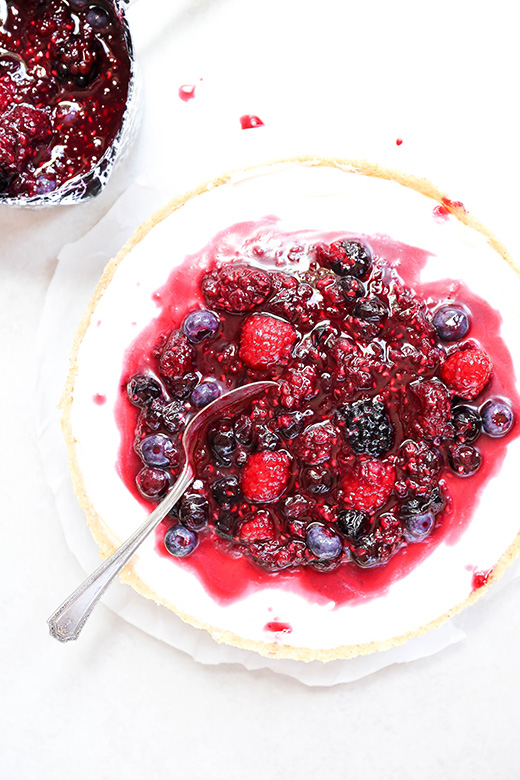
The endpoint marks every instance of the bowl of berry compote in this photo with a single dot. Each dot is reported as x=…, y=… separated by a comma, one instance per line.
x=67, y=98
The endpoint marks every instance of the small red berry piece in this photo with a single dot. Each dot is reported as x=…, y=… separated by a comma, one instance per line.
x=176, y=357
x=265, y=476
x=368, y=485
x=467, y=372
x=298, y=384
x=433, y=415
x=258, y=528
x=315, y=443
x=265, y=341
x=236, y=288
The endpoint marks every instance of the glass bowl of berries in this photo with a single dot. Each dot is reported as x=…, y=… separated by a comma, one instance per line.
x=68, y=98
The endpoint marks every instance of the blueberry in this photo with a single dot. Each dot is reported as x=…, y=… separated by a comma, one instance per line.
x=204, y=394
x=265, y=438
x=451, y=322
x=350, y=258
x=317, y=479
x=173, y=416
x=323, y=542
x=497, y=417
x=200, y=325
x=464, y=459
x=180, y=541
x=98, y=17
x=142, y=390
x=243, y=428
x=467, y=423
x=225, y=525
x=221, y=441
x=152, y=483
x=226, y=490
x=418, y=527
x=370, y=310
x=435, y=503
x=353, y=523
x=351, y=288
x=157, y=450
x=194, y=511
x=291, y=424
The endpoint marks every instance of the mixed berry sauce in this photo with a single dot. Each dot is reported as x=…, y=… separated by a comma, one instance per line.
x=64, y=78
x=394, y=405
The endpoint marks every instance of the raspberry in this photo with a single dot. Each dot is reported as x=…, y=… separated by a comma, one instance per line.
x=467, y=372
x=266, y=341
x=77, y=57
x=420, y=466
x=367, y=427
x=298, y=384
x=315, y=443
x=368, y=485
x=236, y=288
x=378, y=547
x=256, y=528
x=293, y=300
x=265, y=476
x=433, y=416
x=176, y=357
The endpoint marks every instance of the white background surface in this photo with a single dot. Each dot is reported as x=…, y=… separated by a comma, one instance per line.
x=326, y=77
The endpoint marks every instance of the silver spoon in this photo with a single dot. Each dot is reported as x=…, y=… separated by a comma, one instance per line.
x=68, y=620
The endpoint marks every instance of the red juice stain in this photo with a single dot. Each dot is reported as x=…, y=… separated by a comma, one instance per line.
x=230, y=577
x=277, y=627
x=454, y=204
x=399, y=142
x=441, y=213
x=249, y=121
x=187, y=92
x=99, y=399
x=480, y=578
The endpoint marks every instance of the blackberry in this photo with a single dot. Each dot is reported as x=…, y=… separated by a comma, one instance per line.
x=367, y=427
x=434, y=503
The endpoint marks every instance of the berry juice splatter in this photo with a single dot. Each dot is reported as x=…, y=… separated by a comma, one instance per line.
x=64, y=77
x=371, y=452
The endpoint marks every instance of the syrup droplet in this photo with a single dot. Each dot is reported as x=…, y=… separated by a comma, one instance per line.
x=441, y=213
x=249, y=120
x=454, y=204
x=399, y=141
x=480, y=578
x=277, y=627
x=99, y=399
x=187, y=92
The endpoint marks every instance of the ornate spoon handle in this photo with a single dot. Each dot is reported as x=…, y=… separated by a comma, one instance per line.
x=68, y=620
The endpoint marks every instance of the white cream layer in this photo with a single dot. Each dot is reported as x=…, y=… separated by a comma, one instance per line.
x=304, y=197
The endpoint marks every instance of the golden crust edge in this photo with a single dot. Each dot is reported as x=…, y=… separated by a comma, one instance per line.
x=98, y=528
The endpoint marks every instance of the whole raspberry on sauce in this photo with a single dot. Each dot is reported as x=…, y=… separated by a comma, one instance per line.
x=368, y=485
x=266, y=341
x=256, y=528
x=265, y=476
x=467, y=372
x=177, y=356
x=236, y=288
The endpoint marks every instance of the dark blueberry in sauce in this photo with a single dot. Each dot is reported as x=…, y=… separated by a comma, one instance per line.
x=464, y=459
x=323, y=542
x=204, y=394
x=451, y=322
x=200, y=325
x=158, y=450
x=419, y=526
x=180, y=541
x=142, y=390
x=497, y=417
x=467, y=424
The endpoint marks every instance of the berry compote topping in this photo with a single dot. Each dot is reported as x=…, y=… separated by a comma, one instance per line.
x=64, y=77
x=356, y=464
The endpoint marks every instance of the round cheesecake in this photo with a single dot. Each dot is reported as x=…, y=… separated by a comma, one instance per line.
x=260, y=572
